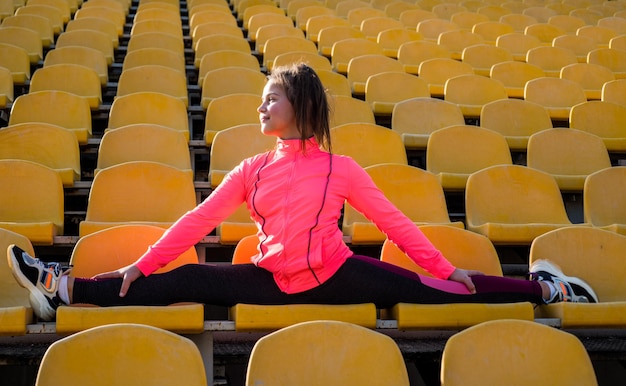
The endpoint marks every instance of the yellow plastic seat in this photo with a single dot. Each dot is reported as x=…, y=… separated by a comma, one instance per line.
x=170, y=15
x=154, y=56
x=153, y=78
x=313, y=60
x=228, y=150
x=396, y=8
x=568, y=23
x=132, y=352
x=544, y=32
x=346, y=109
x=611, y=58
x=591, y=77
x=210, y=16
x=36, y=23
x=482, y=57
x=15, y=310
x=437, y=71
x=455, y=152
x=317, y=23
x=596, y=256
x=157, y=25
x=579, y=45
x=266, y=32
x=208, y=29
x=385, y=89
x=518, y=44
x=412, y=17
x=16, y=60
x=25, y=38
x=6, y=9
x=494, y=12
x=466, y=250
x=368, y=144
x=603, y=199
x=335, y=84
x=466, y=19
x=590, y=16
x=84, y=56
x=241, y=6
x=263, y=19
x=45, y=106
x=457, y=40
x=605, y=119
x=501, y=203
x=392, y=39
x=303, y=14
x=557, y=95
x=615, y=92
x=73, y=78
x=231, y=80
x=49, y=12
x=432, y=28
x=86, y=38
x=110, y=249
x=219, y=42
x=357, y=15
x=6, y=87
x=284, y=44
x=551, y=59
x=328, y=36
x=404, y=186
x=149, y=107
x=600, y=35
x=344, y=50
x=144, y=142
x=540, y=12
x=45, y=144
x=569, y=155
x=294, y=354
x=293, y=6
x=138, y=192
x=618, y=42
x=371, y=27
x=36, y=196
x=617, y=24
x=514, y=75
x=92, y=23
x=416, y=118
x=253, y=10
x=104, y=11
x=228, y=111
x=492, y=30
x=518, y=21
x=472, y=92
x=514, y=352
x=360, y=68
x=412, y=54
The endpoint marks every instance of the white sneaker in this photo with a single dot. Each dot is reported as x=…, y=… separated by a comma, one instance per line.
x=568, y=288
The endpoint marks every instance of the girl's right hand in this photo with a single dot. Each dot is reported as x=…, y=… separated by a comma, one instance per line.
x=128, y=275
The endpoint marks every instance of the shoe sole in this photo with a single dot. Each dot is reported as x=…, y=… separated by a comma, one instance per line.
x=551, y=268
x=38, y=300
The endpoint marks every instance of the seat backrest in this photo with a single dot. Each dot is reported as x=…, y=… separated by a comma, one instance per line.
x=511, y=194
x=16, y=60
x=544, y=32
x=518, y=44
x=296, y=354
x=513, y=352
x=362, y=67
x=567, y=23
x=491, y=30
x=38, y=23
x=515, y=117
x=11, y=293
x=133, y=352
x=391, y=39
x=604, y=119
x=51, y=13
x=425, y=115
x=553, y=92
x=579, y=45
x=155, y=78
x=518, y=21
x=140, y=191
x=615, y=92
x=144, y=142
x=317, y=23
x=368, y=144
x=160, y=56
x=313, y=60
x=88, y=38
x=482, y=56
x=394, y=87
x=431, y=28
x=604, y=196
x=412, y=54
x=228, y=111
x=113, y=248
x=464, y=249
x=344, y=50
x=107, y=12
x=25, y=38
x=600, y=35
x=551, y=59
x=157, y=25
x=334, y=83
x=346, y=109
x=103, y=25
x=226, y=58
x=231, y=80
x=612, y=58
x=514, y=74
x=437, y=71
x=246, y=249
x=156, y=40
x=262, y=19
x=282, y=44
x=411, y=18
x=371, y=27
x=457, y=40
x=267, y=32
x=84, y=56
x=73, y=78
x=473, y=90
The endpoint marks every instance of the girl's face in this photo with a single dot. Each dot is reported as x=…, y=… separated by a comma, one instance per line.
x=276, y=113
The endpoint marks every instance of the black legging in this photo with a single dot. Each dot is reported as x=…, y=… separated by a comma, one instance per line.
x=360, y=279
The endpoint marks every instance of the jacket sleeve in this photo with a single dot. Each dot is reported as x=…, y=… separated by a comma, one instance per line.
x=189, y=229
x=365, y=197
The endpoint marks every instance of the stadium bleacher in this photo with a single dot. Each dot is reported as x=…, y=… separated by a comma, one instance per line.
x=84, y=72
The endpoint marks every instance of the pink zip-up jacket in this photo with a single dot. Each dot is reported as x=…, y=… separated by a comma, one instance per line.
x=295, y=198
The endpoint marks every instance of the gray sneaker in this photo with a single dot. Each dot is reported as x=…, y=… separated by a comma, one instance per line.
x=568, y=288
x=40, y=279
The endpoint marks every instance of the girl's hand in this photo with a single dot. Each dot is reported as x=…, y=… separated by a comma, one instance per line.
x=128, y=274
x=465, y=276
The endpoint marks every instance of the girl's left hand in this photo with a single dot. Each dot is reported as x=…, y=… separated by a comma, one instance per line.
x=465, y=276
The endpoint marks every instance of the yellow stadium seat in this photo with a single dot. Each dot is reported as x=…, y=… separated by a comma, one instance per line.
x=92, y=23
x=149, y=107
x=86, y=38
x=328, y=36
x=467, y=19
x=346, y=109
x=45, y=106
x=540, y=12
x=551, y=59
x=391, y=39
x=144, y=142
x=396, y=8
x=371, y=27
x=170, y=15
x=455, y=152
x=518, y=21
x=344, y=50
x=210, y=16
x=45, y=144
x=6, y=9
x=544, y=32
x=612, y=58
x=457, y=40
x=133, y=352
x=360, y=68
x=219, y=42
x=49, y=12
x=107, y=12
x=466, y=250
x=518, y=44
x=303, y=14
x=16, y=60
x=437, y=71
x=596, y=256
x=208, y=29
x=615, y=92
x=36, y=23
x=501, y=203
x=491, y=30
x=557, y=95
x=231, y=80
x=153, y=78
x=25, y=38
x=412, y=54
x=312, y=59
x=569, y=155
x=263, y=19
x=157, y=25
x=228, y=150
x=472, y=92
x=579, y=45
x=284, y=44
x=494, y=12
x=357, y=15
x=618, y=42
x=292, y=356
x=368, y=144
x=513, y=352
x=514, y=75
x=605, y=119
x=140, y=192
x=416, y=118
x=6, y=87
x=432, y=28
x=317, y=23
x=483, y=56
x=73, y=78
x=600, y=35
x=617, y=24
x=335, y=84
x=77, y=55
x=15, y=310
x=603, y=201
x=154, y=56
x=568, y=23
x=516, y=119
x=446, y=10
x=36, y=196
x=384, y=90
x=228, y=111
x=591, y=77
x=590, y=16
x=293, y=6
x=266, y=32
x=404, y=186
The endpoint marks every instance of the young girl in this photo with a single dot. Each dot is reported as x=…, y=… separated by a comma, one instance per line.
x=295, y=194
